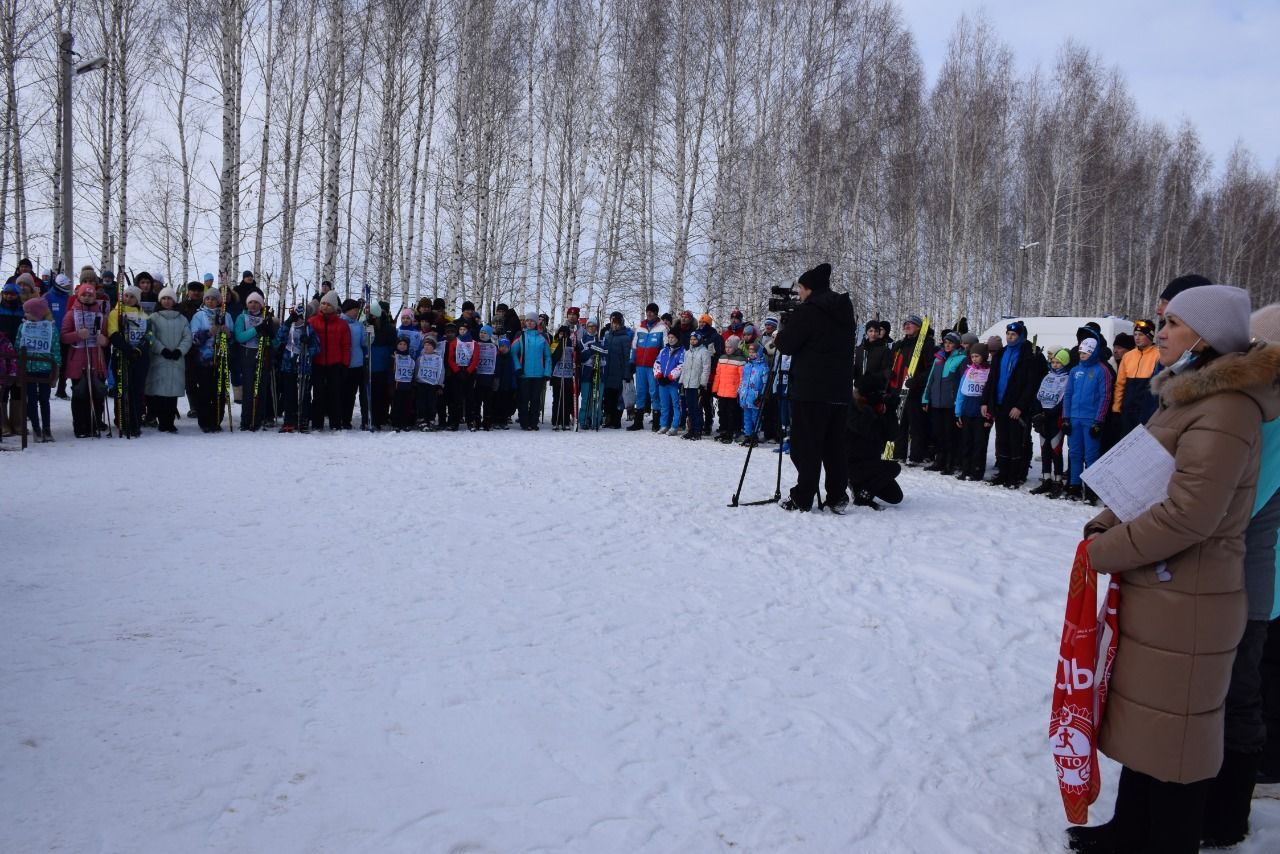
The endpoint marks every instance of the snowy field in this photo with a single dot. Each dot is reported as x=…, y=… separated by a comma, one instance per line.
x=517, y=642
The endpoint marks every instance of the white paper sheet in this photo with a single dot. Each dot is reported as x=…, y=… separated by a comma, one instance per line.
x=1132, y=476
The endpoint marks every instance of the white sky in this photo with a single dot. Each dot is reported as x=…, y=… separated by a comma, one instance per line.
x=1215, y=63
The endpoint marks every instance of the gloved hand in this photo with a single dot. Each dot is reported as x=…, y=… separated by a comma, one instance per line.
x=1037, y=422
x=1066, y=428
x=173, y=355
x=1096, y=430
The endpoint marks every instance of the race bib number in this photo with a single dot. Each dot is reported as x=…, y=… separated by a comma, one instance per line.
x=135, y=330
x=88, y=320
x=487, y=358
x=37, y=337
x=463, y=352
x=404, y=369
x=563, y=369
x=431, y=369
x=975, y=382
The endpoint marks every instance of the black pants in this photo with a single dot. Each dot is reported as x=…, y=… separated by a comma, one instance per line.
x=611, y=404
x=504, y=405
x=817, y=444
x=531, y=390
x=1012, y=455
x=877, y=478
x=913, y=431
x=1244, y=730
x=973, y=446
x=730, y=416
x=327, y=400
x=946, y=437
x=707, y=400
x=292, y=398
x=562, y=402
x=1051, y=455
x=403, y=406
x=62, y=377
x=1270, y=674
x=482, y=402
x=425, y=397
x=1152, y=816
x=165, y=409
x=131, y=387
x=353, y=388
x=253, y=416
x=381, y=403
x=209, y=401
x=457, y=391
x=82, y=421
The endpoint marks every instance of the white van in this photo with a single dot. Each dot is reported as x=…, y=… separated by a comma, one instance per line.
x=1055, y=333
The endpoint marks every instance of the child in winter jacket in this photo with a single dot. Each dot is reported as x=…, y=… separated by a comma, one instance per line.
x=974, y=427
x=39, y=342
x=409, y=328
x=1084, y=407
x=428, y=382
x=83, y=328
x=297, y=345
x=167, y=376
x=728, y=377
x=254, y=331
x=939, y=400
x=695, y=374
x=667, y=370
x=403, y=367
x=751, y=391
x=564, y=366
x=1047, y=421
x=459, y=371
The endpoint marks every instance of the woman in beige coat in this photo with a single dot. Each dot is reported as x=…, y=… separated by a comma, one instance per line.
x=1181, y=573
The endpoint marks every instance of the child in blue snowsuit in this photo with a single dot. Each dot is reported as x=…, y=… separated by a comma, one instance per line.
x=666, y=373
x=1084, y=408
x=751, y=391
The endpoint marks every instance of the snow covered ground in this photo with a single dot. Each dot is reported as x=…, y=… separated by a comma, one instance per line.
x=516, y=642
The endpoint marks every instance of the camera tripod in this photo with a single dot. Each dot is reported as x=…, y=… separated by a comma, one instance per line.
x=774, y=362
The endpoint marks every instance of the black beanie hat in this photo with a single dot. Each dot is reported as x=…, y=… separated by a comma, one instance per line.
x=348, y=304
x=468, y=306
x=817, y=279
x=872, y=324
x=1125, y=340
x=886, y=327
x=1184, y=283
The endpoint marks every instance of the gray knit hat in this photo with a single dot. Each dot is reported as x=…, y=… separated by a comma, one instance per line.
x=1265, y=323
x=332, y=299
x=968, y=339
x=1218, y=313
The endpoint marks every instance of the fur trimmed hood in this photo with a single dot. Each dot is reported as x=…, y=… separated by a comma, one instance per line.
x=1255, y=373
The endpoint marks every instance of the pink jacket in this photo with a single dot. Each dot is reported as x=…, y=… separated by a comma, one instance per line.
x=78, y=317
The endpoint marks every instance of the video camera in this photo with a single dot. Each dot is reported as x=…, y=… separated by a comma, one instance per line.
x=784, y=299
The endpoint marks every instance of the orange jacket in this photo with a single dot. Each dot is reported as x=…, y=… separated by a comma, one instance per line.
x=1136, y=364
x=728, y=377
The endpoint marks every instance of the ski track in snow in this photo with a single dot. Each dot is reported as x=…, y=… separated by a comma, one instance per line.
x=518, y=642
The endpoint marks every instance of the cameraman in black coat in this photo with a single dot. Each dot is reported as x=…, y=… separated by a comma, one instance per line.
x=819, y=338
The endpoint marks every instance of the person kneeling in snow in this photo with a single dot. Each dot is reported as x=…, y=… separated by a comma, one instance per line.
x=867, y=429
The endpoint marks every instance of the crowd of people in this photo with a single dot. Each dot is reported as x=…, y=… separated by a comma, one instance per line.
x=1198, y=659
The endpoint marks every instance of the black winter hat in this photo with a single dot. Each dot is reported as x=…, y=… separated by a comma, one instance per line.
x=1125, y=340
x=872, y=324
x=886, y=327
x=817, y=279
x=349, y=303
x=1184, y=283
x=468, y=306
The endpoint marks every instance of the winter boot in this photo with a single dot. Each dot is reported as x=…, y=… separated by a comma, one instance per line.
x=1226, y=814
x=638, y=423
x=864, y=498
x=1045, y=487
x=1127, y=830
x=1090, y=497
x=1072, y=492
x=654, y=421
x=1055, y=487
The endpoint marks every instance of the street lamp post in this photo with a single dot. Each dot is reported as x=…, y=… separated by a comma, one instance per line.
x=67, y=69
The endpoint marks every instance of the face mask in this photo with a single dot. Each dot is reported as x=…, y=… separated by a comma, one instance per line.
x=1185, y=360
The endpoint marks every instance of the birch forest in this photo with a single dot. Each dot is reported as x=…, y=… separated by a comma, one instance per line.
x=605, y=153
